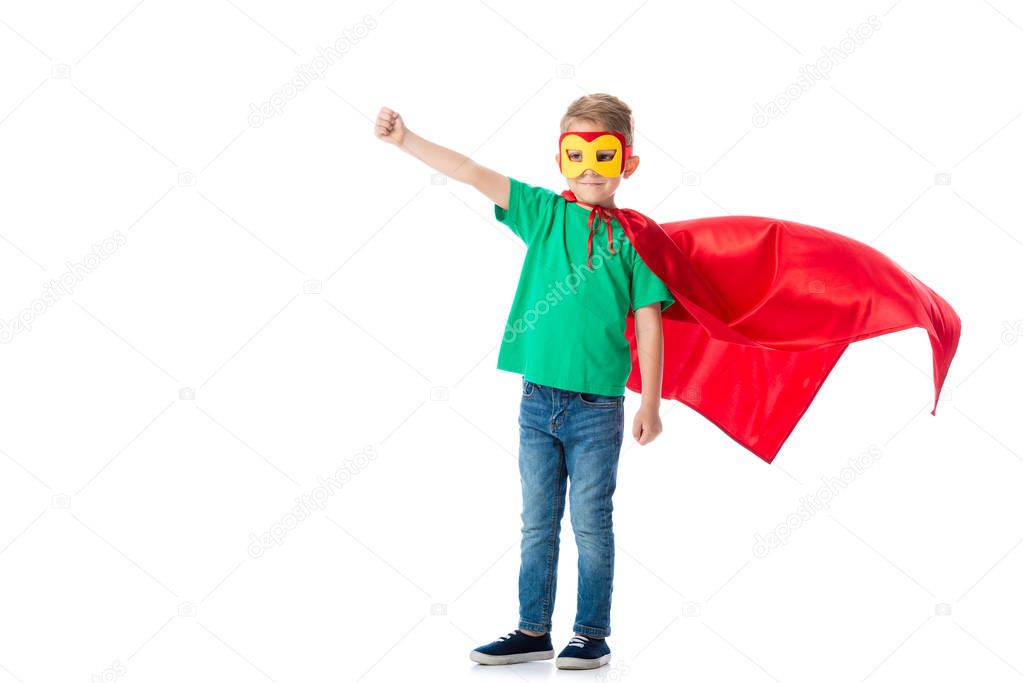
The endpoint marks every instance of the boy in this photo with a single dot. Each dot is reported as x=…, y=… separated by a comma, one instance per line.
x=565, y=335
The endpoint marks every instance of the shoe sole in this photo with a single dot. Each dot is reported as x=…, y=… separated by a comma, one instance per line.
x=579, y=663
x=482, y=658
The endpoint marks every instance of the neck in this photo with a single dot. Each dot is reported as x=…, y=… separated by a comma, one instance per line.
x=608, y=204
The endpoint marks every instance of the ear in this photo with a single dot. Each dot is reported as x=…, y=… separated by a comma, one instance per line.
x=631, y=165
x=557, y=158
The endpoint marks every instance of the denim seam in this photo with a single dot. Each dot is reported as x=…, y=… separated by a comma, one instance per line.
x=553, y=539
x=609, y=561
x=591, y=630
x=608, y=567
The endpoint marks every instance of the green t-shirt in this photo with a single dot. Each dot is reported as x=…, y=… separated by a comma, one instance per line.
x=566, y=328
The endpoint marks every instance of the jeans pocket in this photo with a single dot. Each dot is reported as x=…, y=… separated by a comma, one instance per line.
x=599, y=400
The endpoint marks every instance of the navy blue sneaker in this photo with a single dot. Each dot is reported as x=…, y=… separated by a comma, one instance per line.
x=513, y=648
x=584, y=653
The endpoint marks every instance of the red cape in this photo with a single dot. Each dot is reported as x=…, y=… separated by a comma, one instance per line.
x=764, y=309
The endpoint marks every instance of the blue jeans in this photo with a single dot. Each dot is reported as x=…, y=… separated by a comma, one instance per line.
x=567, y=435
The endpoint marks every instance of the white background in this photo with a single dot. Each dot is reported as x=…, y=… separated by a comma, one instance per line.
x=323, y=298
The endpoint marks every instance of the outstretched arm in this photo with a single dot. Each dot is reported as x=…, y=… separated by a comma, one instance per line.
x=391, y=128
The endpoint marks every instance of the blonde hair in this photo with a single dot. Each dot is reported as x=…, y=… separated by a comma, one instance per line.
x=603, y=109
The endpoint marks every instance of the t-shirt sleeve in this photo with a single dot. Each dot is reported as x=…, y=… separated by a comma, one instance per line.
x=530, y=210
x=647, y=287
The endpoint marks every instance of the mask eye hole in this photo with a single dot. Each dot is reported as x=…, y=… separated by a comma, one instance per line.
x=574, y=155
x=606, y=154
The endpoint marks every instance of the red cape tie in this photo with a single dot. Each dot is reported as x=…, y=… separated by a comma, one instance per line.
x=600, y=214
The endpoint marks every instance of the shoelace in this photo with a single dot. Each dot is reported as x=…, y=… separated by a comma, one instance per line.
x=507, y=636
x=578, y=641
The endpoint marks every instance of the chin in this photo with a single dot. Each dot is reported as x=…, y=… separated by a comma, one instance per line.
x=592, y=191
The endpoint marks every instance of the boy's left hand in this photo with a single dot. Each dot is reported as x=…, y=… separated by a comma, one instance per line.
x=646, y=425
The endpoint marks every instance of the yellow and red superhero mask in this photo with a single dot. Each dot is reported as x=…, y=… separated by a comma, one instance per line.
x=603, y=151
